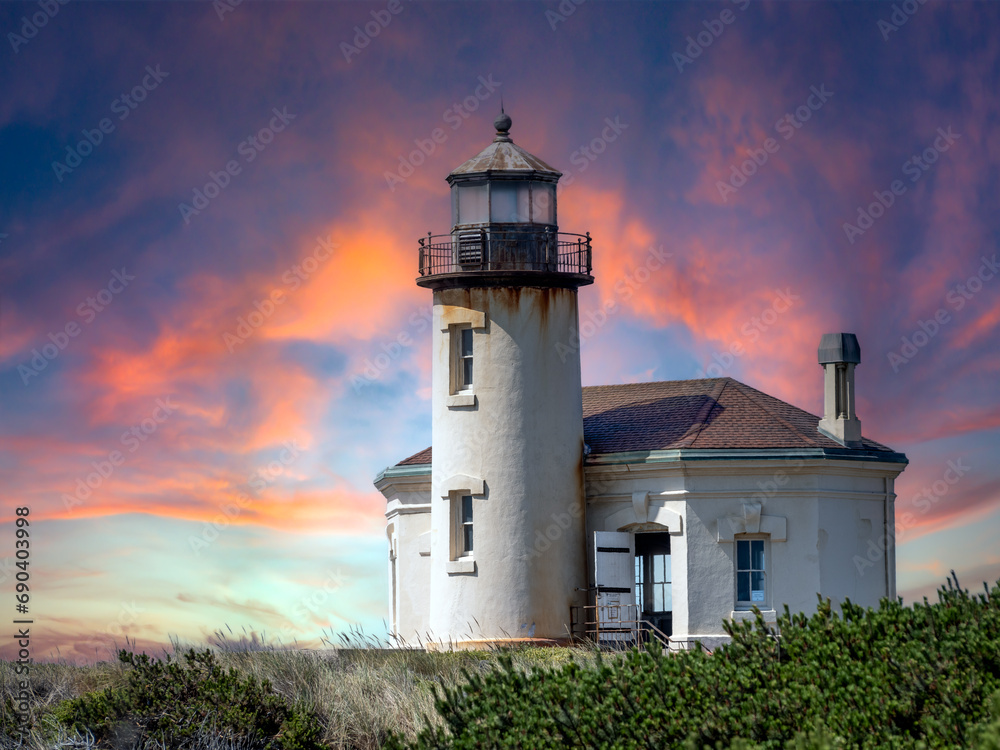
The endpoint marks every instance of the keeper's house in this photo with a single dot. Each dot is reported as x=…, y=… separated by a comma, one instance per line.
x=548, y=510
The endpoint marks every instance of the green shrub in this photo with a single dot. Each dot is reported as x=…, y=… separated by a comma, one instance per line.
x=173, y=703
x=986, y=736
x=896, y=677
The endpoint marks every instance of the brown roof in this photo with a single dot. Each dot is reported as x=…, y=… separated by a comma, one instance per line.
x=503, y=155
x=717, y=413
x=423, y=457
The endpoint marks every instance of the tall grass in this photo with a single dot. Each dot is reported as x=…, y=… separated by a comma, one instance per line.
x=362, y=688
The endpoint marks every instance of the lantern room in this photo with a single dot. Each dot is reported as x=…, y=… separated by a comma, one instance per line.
x=504, y=184
x=504, y=224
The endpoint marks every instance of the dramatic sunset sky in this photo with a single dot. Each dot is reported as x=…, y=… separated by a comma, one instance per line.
x=122, y=350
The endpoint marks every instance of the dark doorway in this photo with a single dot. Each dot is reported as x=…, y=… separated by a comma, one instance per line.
x=653, y=595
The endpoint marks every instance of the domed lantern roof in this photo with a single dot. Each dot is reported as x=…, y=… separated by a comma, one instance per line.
x=503, y=184
x=503, y=155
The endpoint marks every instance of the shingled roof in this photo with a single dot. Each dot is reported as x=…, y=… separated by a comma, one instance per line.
x=716, y=413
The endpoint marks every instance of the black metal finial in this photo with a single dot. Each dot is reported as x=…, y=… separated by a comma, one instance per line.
x=503, y=122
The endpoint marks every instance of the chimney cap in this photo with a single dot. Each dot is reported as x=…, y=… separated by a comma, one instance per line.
x=839, y=347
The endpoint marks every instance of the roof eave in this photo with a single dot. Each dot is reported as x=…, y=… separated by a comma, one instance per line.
x=397, y=471
x=746, y=454
x=697, y=454
x=539, y=175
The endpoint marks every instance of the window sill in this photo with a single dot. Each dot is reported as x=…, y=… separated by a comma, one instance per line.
x=460, y=399
x=741, y=615
x=460, y=566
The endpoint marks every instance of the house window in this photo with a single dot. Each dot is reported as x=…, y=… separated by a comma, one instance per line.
x=751, y=573
x=463, y=359
x=464, y=526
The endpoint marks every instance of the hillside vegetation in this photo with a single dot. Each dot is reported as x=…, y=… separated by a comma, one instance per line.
x=896, y=677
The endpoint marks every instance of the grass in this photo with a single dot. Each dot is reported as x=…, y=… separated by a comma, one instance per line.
x=361, y=690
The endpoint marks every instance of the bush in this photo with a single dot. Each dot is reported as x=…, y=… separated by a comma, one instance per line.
x=173, y=703
x=896, y=677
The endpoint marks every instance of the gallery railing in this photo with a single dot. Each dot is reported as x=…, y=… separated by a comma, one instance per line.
x=505, y=249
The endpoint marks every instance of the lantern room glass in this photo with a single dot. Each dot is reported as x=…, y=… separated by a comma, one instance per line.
x=504, y=202
x=472, y=206
x=543, y=203
x=510, y=202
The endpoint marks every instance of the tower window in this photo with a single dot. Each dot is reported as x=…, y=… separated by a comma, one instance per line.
x=460, y=340
x=464, y=359
x=465, y=526
x=751, y=573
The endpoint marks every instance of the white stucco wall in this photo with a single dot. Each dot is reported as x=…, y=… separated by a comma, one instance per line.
x=833, y=513
x=523, y=439
x=827, y=511
x=408, y=524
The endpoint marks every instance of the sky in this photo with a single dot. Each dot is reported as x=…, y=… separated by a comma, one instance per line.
x=211, y=339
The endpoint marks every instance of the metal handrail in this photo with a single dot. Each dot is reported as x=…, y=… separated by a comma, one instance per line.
x=502, y=248
x=631, y=629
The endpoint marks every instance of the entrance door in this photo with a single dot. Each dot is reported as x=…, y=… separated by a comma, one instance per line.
x=653, y=595
x=615, y=599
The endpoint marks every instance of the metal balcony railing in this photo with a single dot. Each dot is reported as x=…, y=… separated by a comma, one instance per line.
x=505, y=249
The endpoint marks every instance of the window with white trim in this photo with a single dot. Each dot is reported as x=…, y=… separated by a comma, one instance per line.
x=466, y=522
x=462, y=518
x=751, y=572
x=461, y=345
x=464, y=359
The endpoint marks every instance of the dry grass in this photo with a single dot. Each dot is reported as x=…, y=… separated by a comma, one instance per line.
x=362, y=690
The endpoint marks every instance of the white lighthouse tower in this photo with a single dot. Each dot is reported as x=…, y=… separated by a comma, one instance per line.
x=507, y=542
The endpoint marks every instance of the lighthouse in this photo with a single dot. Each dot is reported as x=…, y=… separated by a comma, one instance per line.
x=507, y=515
x=692, y=502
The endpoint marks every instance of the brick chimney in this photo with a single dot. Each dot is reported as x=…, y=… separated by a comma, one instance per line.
x=838, y=355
